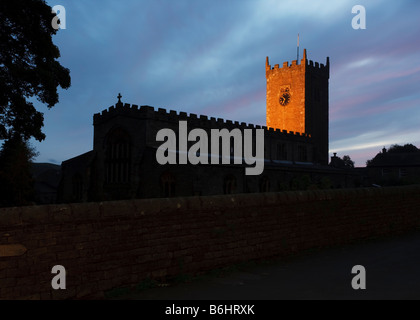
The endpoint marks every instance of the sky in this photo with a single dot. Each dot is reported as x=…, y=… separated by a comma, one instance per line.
x=208, y=58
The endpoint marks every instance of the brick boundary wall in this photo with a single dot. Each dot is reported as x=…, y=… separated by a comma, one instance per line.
x=122, y=243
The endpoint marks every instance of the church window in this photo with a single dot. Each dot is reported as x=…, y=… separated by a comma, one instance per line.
x=386, y=172
x=302, y=154
x=229, y=185
x=167, y=183
x=118, y=157
x=264, y=184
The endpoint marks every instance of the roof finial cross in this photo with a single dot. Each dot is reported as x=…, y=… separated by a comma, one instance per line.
x=119, y=97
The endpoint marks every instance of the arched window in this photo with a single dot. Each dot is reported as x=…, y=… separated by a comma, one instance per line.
x=118, y=157
x=229, y=185
x=264, y=184
x=302, y=153
x=167, y=183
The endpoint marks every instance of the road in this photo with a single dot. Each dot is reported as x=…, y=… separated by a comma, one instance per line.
x=392, y=272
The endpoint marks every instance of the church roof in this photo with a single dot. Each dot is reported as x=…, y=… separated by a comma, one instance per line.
x=79, y=162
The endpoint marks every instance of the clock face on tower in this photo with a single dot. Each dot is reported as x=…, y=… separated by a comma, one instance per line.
x=284, y=97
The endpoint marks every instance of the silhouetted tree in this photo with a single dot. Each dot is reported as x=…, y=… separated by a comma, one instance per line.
x=16, y=184
x=342, y=163
x=407, y=148
x=348, y=162
x=28, y=67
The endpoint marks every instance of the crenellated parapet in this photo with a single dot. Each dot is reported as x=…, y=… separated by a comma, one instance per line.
x=173, y=117
x=304, y=64
x=320, y=68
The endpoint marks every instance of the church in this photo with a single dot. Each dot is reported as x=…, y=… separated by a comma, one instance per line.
x=123, y=164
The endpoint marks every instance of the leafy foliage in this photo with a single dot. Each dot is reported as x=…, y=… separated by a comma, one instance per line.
x=348, y=162
x=342, y=163
x=407, y=148
x=28, y=67
x=16, y=185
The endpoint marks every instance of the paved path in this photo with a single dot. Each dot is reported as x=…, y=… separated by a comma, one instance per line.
x=392, y=272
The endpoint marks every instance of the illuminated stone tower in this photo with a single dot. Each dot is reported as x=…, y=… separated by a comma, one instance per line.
x=297, y=100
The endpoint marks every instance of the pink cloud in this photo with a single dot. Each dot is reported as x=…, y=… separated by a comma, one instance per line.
x=236, y=103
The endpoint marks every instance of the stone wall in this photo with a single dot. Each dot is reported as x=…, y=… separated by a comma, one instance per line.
x=115, y=244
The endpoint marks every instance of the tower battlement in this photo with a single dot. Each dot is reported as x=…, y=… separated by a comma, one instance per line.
x=304, y=64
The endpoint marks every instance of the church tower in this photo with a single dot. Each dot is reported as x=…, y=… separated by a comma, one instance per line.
x=297, y=100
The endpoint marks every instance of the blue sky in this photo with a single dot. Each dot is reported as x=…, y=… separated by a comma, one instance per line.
x=208, y=57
